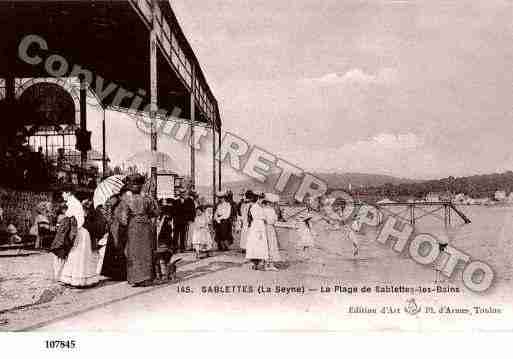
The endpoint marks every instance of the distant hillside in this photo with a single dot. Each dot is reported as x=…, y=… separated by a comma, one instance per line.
x=374, y=187
x=333, y=180
x=342, y=180
x=477, y=186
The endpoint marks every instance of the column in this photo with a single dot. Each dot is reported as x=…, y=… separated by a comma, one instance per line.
x=153, y=97
x=213, y=126
x=193, y=119
x=83, y=120
x=10, y=89
x=104, y=153
x=219, y=157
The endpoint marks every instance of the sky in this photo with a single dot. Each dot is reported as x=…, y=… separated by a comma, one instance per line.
x=418, y=89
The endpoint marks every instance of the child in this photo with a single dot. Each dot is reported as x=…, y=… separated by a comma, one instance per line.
x=13, y=236
x=201, y=239
x=306, y=234
x=356, y=235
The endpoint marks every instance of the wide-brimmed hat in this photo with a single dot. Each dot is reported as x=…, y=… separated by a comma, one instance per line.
x=134, y=187
x=260, y=195
x=221, y=193
x=11, y=229
x=134, y=182
x=272, y=197
x=67, y=187
x=135, y=179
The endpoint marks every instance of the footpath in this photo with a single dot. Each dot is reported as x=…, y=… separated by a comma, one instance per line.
x=30, y=298
x=321, y=292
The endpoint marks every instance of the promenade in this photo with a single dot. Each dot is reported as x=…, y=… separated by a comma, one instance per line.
x=222, y=293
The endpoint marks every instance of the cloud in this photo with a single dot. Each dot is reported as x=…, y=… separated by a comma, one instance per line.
x=394, y=141
x=400, y=154
x=384, y=76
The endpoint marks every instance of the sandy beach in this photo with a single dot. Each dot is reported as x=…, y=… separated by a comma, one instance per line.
x=326, y=289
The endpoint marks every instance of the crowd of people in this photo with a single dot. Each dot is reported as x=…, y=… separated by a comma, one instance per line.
x=17, y=209
x=115, y=239
x=132, y=238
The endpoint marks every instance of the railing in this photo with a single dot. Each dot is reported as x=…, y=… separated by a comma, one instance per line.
x=174, y=52
x=160, y=117
x=445, y=206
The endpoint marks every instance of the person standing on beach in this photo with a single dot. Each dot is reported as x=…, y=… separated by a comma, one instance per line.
x=223, y=226
x=189, y=207
x=114, y=263
x=257, y=248
x=181, y=217
x=201, y=239
x=76, y=259
x=141, y=234
x=304, y=227
x=244, y=214
x=271, y=217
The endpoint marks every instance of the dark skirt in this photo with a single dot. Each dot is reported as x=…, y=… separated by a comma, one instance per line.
x=114, y=263
x=140, y=251
x=224, y=235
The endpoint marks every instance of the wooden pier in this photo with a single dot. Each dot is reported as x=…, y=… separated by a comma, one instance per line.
x=414, y=211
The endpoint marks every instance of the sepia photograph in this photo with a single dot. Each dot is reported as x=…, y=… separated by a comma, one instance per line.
x=327, y=166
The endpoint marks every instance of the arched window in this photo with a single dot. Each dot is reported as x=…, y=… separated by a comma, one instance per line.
x=49, y=116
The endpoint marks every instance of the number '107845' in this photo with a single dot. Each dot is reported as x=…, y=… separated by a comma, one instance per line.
x=60, y=344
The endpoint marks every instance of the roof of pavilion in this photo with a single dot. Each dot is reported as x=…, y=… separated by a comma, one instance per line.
x=110, y=39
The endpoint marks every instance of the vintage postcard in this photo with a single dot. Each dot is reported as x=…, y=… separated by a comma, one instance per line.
x=226, y=165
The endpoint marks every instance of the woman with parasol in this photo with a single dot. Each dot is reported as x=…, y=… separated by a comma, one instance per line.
x=111, y=196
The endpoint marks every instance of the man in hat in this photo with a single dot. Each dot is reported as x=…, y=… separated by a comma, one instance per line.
x=181, y=217
x=223, y=226
x=190, y=214
x=165, y=223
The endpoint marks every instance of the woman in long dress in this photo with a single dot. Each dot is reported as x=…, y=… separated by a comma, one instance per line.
x=257, y=249
x=79, y=268
x=114, y=263
x=244, y=213
x=201, y=239
x=141, y=234
x=96, y=225
x=271, y=217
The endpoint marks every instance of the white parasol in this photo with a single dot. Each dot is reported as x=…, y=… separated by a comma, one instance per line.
x=107, y=188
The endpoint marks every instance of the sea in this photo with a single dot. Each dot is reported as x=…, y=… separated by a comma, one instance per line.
x=488, y=238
